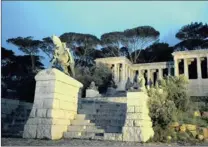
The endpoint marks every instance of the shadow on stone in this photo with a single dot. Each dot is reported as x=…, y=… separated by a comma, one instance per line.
x=106, y=115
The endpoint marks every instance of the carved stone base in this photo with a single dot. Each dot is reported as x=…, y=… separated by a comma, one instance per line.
x=138, y=124
x=92, y=93
x=55, y=104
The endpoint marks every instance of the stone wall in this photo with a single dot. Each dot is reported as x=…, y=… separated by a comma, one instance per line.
x=14, y=114
x=198, y=87
x=7, y=106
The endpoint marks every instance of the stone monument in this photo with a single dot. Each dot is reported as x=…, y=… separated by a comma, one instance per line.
x=55, y=102
x=92, y=90
x=141, y=83
x=138, y=124
x=63, y=57
x=111, y=90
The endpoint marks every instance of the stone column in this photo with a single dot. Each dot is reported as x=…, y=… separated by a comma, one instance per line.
x=176, y=70
x=148, y=77
x=139, y=72
x=123, y=72
x=169, y=71
x=160, y=73
x=115, y=72
x=186, y=72
x=118, y=72
x=129, y=73
x=55, y=105
x=199, y=68
x=152, y=71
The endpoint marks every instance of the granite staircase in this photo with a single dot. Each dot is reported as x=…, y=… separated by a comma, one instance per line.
x=109, y=116
x=82, y=128
x=98, y=120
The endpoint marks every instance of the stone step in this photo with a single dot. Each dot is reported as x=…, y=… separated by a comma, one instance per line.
x=92, y=129
x=81, y=123
x=100, y=112
x=80, y=116
x=104, y=106
x=72, y=134
x=75, y=128
x=84, y=135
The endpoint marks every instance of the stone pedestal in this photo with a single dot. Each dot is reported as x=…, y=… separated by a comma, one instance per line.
x=92, y=93
x=55, y=105
x=138, y=124
x=111, y=91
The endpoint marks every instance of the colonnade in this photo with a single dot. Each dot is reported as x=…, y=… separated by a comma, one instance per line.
x=123, y=71
x=159, y=71
x=187, y=60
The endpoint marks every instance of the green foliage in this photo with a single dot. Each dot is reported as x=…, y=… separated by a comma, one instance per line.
x=176, y=89
x=169, y=103
x=162, y=110
x=193, y=31
x=47, y=47
x=17, y=75
x=158, y=52
x=28, y=46
x=100, y=74
x=82, y=45
x=168, y=100
x=192, y=36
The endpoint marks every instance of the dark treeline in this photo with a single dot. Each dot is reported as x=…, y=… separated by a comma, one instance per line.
x=139, y=45
x=17, y=76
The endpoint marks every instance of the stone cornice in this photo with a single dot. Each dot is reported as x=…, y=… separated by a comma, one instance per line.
x=153, y=65
x=112, y=60
x=192, y=53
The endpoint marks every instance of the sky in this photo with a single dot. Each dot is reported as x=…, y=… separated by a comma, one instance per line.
x=46, y=18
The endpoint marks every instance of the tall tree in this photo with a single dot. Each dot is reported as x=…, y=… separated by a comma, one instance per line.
x=16, y=74
x=47, y=46
x=192, y=36
x=28, y=46
x=158, y=52
x=137, y=39
x=83, y=45
x=112, y=43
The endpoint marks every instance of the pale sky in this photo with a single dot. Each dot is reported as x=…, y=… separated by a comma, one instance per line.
x=45, y=18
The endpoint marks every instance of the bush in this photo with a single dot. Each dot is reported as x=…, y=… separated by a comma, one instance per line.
x=169, y=103
x=100, y=74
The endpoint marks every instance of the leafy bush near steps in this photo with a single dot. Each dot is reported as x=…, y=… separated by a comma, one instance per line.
x=169, y=103
x=100, y=74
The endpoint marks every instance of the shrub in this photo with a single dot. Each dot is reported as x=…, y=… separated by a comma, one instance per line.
x=100, y=74
x=169, y=103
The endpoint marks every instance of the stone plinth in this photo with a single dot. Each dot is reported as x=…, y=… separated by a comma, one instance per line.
x=55, y=104
x=111, y=91
x=138, y=124
x=92, y=93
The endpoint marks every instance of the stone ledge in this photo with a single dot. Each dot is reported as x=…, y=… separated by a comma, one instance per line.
x=54, y=74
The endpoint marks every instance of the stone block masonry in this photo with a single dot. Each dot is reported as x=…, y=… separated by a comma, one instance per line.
x=138, y=125
x=55, y=105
